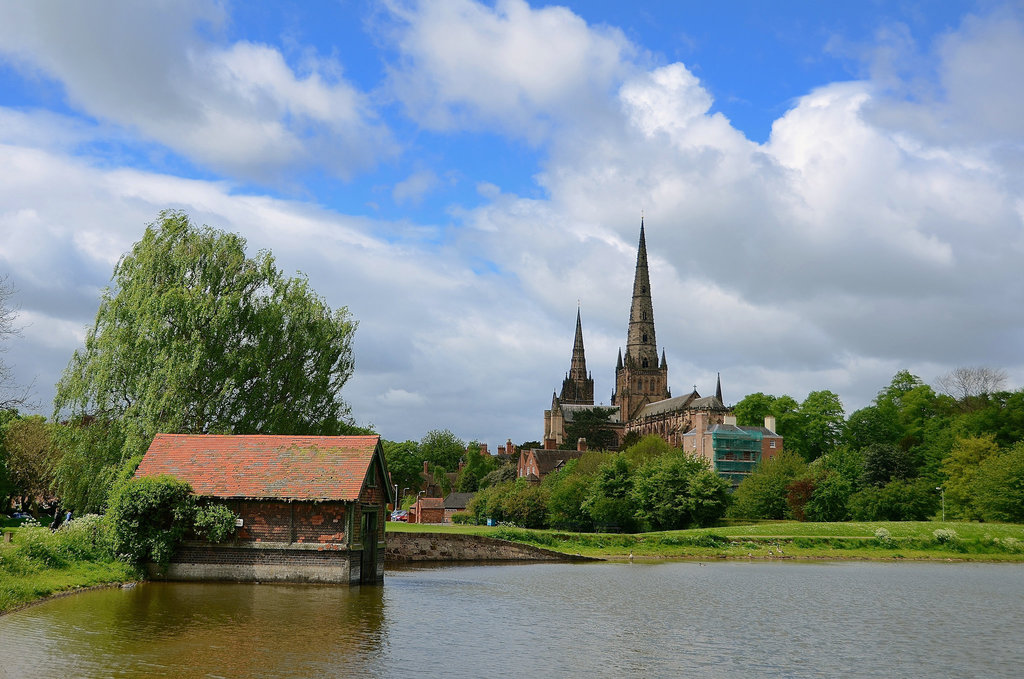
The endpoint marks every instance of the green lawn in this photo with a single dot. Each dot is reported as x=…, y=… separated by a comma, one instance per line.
x=776, y=540
x=27, y=575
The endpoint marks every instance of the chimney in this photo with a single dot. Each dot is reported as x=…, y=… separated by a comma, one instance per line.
x=549, y=444
x=426, y=466
x=729, y=419
x=581, y=445
x=769, y=422
x=483, y=449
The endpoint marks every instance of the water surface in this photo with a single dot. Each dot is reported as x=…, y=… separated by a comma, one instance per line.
x=545, y=620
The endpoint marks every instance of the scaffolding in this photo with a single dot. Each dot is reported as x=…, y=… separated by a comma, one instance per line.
x=737, y=452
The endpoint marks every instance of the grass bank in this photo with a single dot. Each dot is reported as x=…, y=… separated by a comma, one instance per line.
x=876, y=540
x=37, y=563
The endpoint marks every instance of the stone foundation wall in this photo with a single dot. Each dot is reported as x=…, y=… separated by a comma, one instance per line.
x=417, y=547
x=263, y=562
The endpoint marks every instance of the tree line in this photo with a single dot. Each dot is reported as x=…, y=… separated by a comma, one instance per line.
x=912, y=454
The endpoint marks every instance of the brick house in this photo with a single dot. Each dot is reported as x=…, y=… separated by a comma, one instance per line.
x=536, y=463
x=310, y=508
x=733, y=451
x=456, y=502
x=427, y=510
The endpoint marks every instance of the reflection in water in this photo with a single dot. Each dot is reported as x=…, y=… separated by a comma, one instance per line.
x=196, y=629
x=545, y=620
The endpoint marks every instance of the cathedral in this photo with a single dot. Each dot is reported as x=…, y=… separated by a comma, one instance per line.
x=642, y=401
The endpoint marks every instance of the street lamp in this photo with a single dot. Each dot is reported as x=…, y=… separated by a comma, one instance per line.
x=942, y=493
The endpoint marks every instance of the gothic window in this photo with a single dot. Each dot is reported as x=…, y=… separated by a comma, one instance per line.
x=645, y=337
x=643, y=315
x=640, y=384
x=645, y=360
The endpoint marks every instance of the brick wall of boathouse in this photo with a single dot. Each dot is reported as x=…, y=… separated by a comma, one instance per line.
x=281, y=542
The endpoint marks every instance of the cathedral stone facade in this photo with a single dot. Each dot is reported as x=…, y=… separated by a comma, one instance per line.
x=642, y=401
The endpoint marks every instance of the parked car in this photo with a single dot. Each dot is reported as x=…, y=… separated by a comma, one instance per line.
x=399, y=515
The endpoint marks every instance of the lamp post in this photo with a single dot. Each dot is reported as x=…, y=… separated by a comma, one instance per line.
x=942, y=494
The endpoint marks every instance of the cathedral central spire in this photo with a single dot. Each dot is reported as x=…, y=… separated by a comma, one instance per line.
x=640, y=379
x=641, y=345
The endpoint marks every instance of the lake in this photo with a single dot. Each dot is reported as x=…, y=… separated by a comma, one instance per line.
x=671, y=619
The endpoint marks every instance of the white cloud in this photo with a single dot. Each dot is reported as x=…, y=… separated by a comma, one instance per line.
x=400, y=398
x=238, y=108
x=467, y=65
x=413, y=188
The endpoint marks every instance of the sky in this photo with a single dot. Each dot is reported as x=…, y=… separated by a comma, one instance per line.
x=832, y=192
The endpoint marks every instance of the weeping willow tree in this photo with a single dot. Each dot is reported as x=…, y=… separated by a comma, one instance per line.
x=194, y=336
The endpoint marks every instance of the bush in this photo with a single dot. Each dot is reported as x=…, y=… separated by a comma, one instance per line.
x=87, y=537
x=149, y=517
x=884, y=537
x=39, y=545
x=463, y=518
x=215, y=522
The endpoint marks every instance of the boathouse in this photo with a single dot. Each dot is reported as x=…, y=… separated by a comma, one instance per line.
x=309, y=508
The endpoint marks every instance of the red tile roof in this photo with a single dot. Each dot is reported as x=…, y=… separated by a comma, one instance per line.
x=251, y=466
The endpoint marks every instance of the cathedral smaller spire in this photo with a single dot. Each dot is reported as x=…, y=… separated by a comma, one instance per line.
x=578, y=367
x=618, y=365
x=664, y=363
x=578, y=386
x=718, y=389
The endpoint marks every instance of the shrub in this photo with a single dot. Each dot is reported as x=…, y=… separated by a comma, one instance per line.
x=945, y=536
x=463, y=518
x=215, y=522
x=149, y=517
x=39, y=545
x=87, y=537
x=1011, y=545
x=884, y=537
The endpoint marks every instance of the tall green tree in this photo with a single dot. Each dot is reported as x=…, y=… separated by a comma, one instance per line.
x=1000, y=486
x=404, y=463
x=591, y=424
x=30, y=458
x=611, y=501
x=478, y=465
x=92, y=456
x=821, y=416
x=763, y=494
x=961, y=467
x=441, y=448
x=194, y=336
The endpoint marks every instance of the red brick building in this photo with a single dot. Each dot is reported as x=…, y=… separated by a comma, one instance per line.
x=427, y=510
x=732, y=451
x=311, y=508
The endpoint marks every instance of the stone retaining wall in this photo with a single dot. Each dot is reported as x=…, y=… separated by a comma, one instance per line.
x=262, y=562
x=418, y=547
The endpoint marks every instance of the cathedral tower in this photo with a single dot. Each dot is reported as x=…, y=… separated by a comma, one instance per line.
x=578, y=385
x=639, y=378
